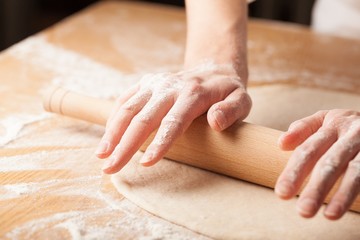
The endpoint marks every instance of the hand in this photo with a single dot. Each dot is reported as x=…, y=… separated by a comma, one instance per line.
x=328, y=143
x=171, y=102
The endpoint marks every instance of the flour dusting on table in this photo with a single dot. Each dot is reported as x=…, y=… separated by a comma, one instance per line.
x=74, y=71
x=29, y=146
x=12, y=125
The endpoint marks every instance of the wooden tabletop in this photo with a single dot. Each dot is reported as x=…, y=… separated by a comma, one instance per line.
x=51, y=185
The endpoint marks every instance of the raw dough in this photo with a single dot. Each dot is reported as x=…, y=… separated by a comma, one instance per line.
x=277, y=105
x=224, y=208
x=221, y=207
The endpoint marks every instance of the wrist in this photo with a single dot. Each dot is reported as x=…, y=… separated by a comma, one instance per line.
x=209, y=67
x=231, y=62
x=217, y=31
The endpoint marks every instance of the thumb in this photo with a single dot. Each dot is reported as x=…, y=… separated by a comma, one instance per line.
x=300, y=130
x=236, y=106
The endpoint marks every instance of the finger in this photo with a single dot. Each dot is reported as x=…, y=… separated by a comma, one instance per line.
x=170, y=129
x=103, y=147
x=302, y=162
x=121, y=100
x=179, y=118
x=326, y=172
x=347, y=193
x=300, y=130
x=234, y=107
x=141, y=126
x=121, y=120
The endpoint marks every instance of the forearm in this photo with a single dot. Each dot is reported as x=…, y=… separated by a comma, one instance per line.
x=216, y=31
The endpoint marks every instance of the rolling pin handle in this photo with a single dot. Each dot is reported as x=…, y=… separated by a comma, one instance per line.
x=53, y=100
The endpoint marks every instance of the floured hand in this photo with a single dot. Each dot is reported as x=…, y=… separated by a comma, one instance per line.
x=171, y=102
x=328, y=143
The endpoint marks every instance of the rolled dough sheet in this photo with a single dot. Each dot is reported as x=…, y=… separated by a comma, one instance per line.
x=221, y=207
x=278, y=105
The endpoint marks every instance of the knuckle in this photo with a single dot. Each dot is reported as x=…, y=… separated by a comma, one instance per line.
x=347, y=112
x=305, y=152
x=299, y=165
x=320, y=115
x=171, y=118
x=160, y=141
x=293, y=174
x=148, y=78
x=243, y=105
x=355, y=128
x=349, y=145
x=324, y=134
x=158, y=80
x=354, y=166
x=165, y=97
x=128, y=108
x=297, y=124
x=335, y=122
x=173, y=121
x=333, y=162
x=343, y=119
x=321, y=112
x=354, y=169
x=329, y=168
x=194, y=88
x=246, y=99
x=142, y=119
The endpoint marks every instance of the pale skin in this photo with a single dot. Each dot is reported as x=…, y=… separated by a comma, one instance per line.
x=214, y=82
x=328, y=144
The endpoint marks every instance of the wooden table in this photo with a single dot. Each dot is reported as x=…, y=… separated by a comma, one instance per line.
x=51, y=185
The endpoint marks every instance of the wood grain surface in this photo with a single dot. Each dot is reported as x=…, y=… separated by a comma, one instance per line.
x=51, y=185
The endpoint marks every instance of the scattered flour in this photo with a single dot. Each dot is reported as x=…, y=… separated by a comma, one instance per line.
x=14, y=190
x=73, y=71
x=159, y=45
x=120, y=219
x=12, y=125
x=82, y=225
x=263, y=74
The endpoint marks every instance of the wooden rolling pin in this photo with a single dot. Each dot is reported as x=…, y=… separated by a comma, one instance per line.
x=243, y=151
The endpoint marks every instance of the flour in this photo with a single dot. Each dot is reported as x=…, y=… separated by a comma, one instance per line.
x=326, y=80
x=12, y=125
x=14, y=191
x=73, y=71
x=168, y=54
x=84, y=224
x=271, y=67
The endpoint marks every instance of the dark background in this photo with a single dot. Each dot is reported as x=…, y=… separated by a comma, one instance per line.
x=21, y=18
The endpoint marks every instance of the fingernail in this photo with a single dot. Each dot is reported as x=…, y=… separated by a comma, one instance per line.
x=307, y=207
x=108, y=163
x=220, y=119
x=334, y=210
x=146, y=158
x=284, y=189
x=103, y=147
